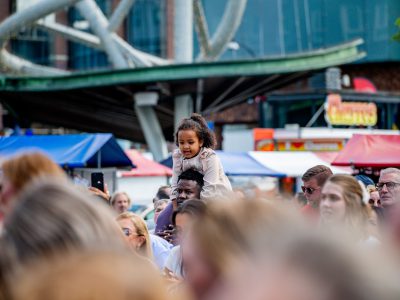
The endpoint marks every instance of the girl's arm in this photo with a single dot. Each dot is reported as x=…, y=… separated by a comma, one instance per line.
x=213, y=180
x=176, y=171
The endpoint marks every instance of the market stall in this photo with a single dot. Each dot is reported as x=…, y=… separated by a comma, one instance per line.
x=142, y=182
x=374, y=151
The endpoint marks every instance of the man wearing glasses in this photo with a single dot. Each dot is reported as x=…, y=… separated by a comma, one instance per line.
x=313, y=181
x=389, y=187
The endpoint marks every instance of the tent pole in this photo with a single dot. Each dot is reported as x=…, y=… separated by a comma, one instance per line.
x=99, y=159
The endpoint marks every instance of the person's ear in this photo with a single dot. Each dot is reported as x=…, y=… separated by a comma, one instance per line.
x=142, y=240
x=201, y=143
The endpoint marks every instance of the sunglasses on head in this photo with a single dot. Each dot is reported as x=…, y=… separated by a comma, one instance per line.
x=308, y=190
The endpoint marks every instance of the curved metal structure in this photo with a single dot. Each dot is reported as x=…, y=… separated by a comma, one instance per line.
x=120, y=53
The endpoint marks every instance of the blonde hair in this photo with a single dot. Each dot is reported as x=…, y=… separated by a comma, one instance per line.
x=357, y=212
x=371, y=188
x=24, y=168
x=100, y=276
x=116, y=194
x=141, y=230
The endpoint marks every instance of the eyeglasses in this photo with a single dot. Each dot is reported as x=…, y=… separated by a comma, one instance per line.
x=389, y=185
x=308, y=190
x=128, y=232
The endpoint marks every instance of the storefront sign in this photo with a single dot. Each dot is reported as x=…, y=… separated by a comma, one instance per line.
x=310, y=145
x=263, y=139
x=349, y=113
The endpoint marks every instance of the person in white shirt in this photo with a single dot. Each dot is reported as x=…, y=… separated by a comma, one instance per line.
x=182, y=217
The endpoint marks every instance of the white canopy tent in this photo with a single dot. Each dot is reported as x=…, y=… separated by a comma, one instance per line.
x=294, y=164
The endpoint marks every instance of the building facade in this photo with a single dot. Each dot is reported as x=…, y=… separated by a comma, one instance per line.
x=269, y=28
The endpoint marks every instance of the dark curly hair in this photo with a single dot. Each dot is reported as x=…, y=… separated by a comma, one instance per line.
x=199, y=125
x=193, y=175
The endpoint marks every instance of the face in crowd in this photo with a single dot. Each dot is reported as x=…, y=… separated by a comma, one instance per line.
x=136, y=233
x=158, y=209
x=121, y=203
x=312, y=191
x=313, y=181
x=134, y=239
x=187, y=190
x=332, y=205
x=389, y=188
x=189, y=143
x=374, y=199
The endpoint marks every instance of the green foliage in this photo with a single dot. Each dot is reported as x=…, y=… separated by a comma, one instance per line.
x=396, y=36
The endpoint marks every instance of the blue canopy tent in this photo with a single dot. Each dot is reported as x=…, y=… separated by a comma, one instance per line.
x=72, y=151
x=238, y=164
x=242, y=164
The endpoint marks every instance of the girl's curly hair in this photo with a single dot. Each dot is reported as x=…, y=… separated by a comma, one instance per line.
x=199, y=125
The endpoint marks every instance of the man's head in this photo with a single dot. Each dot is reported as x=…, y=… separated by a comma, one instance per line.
x=313, y=181
x=189, y=185
x=164, y=192
x=120, y=202
x=389, y=186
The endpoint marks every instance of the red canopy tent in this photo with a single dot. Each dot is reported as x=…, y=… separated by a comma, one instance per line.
x=145, y=166
x=376, y=151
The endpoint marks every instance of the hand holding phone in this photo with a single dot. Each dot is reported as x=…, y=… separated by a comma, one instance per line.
x=98, y=181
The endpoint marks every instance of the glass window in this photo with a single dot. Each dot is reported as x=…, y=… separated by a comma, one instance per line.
x=80, y=56
x=145, y=26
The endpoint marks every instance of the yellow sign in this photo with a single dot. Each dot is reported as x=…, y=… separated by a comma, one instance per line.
x=349, y=113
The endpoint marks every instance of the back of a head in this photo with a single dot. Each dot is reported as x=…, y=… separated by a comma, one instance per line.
x=365, y=180
x=195, y=208
x=263, y=253
x=320, y=172
x=103, y=275
x=227, y=227
x=52, y=217
x=22, y=169
x=164, y=192
x=309, y=265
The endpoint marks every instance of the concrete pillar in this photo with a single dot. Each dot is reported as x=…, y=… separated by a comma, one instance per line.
x=183, y=52
x=183, y=108
x=150, y=125
x=183, y=31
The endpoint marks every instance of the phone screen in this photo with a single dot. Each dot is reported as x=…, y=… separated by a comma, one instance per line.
x=98, y=180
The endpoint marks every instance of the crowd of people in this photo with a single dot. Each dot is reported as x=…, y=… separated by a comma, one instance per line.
x=338, y=239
